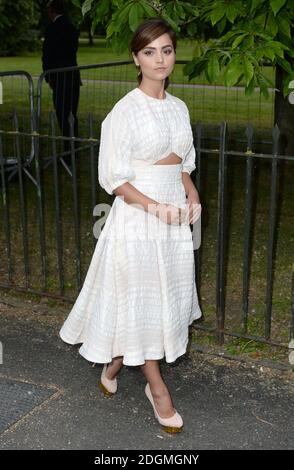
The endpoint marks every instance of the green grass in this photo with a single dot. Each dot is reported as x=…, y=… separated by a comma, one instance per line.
x=207, y=105
x=240, y=347
x=98, y=53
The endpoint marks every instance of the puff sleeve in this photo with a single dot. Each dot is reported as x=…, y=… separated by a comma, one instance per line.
x=189, y=160
x=114, y=159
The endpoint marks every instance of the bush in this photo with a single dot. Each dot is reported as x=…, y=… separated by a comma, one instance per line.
x=18, y=27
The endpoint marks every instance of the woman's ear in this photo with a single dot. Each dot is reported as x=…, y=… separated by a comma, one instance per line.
x=135, y=59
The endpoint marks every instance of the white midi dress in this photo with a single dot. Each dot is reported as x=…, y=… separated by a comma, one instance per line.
x=139, y=295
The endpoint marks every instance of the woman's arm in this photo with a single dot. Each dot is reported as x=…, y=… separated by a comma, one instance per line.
x=168, y=213
x=193, y=200
x=189, y=186
x=132, y=195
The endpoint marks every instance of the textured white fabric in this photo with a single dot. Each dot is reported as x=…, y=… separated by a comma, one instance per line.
x=140, y=130
x=139, y=295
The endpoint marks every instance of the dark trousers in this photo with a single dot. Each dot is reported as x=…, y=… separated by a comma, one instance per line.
x=66, y=93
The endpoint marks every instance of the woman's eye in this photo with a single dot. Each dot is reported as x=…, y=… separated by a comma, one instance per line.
x=167, y=52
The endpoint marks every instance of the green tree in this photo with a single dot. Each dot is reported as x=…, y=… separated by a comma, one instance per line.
x=87, y=23
x=18, y=22
x=233, y=41
x=250, y=35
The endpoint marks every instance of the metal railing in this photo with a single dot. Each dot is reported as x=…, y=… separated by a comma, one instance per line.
x=17, y=94
x=273, y=159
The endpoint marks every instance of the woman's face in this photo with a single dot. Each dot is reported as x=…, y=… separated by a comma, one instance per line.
x=157, y=59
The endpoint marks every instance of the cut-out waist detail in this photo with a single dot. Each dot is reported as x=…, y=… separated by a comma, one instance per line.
x=171, y=159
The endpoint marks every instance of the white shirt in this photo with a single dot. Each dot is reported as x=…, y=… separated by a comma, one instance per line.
x=57, y=16
x=139, y=131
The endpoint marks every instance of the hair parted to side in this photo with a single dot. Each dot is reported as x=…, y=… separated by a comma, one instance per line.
x=58, y=6
x=147, y=32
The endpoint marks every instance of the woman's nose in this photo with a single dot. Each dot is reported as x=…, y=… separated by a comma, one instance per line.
x=159, y=57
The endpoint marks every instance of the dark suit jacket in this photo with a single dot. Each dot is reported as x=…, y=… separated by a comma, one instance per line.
x=60, y=45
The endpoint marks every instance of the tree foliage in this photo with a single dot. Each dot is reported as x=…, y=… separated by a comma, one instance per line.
x=233, y=39
x=251, y=34
x=18, y=22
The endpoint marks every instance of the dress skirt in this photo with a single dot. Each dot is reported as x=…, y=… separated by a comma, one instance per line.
x=139, y=295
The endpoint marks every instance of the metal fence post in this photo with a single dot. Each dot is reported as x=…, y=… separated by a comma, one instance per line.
x=271, y=238
x=247, y=227
x=221, y=235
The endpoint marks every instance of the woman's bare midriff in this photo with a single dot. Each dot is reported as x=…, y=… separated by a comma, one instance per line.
x=171, y=159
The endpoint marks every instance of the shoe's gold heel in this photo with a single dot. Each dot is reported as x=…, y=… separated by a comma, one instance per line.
x=172, y=425
x=108, y=387
x=171, y=429
x=106, y=392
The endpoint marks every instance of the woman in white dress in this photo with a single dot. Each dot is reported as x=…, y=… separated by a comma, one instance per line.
x=139, y=295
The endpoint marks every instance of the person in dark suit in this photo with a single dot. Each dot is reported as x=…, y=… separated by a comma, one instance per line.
x=60, y=50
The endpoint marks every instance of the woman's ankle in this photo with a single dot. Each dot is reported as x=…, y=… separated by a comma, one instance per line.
x=113, y=368
x=158, y=390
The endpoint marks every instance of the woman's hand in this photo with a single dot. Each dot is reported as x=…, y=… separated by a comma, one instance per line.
x=171, y=214
x=194, y=206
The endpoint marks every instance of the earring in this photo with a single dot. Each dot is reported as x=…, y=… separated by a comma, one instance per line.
x=139, y=69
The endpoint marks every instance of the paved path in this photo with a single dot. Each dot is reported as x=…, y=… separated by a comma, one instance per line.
x=224, y=404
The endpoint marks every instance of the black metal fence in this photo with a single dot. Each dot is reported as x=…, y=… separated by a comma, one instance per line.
x=17, y=94
x=252, y=171
x=244, y=267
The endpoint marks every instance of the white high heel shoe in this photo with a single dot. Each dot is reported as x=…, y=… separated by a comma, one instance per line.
x=108, y=387
x=172, y=424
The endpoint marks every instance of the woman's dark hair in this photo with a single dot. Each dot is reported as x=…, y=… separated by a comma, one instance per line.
x=147, y=32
